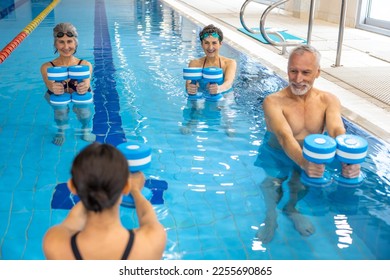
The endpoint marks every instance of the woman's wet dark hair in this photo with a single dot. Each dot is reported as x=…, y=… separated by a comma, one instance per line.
x=99, y=174
x=210, y=29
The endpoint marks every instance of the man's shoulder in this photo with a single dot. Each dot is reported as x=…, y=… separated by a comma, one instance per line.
x=320, y=91
x=326, y=95
x=273, y=100
x=276, y=94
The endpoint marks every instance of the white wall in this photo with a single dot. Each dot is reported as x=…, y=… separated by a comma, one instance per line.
x=328, y=10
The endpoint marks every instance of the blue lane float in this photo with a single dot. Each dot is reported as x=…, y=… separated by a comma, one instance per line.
x=58, y=74
x=193, y=74
x=213, y=75
x=320, y=149
x=80, y=73
x=351, y=149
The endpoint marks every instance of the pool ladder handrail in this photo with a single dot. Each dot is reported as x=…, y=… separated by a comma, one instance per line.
x=284, y=43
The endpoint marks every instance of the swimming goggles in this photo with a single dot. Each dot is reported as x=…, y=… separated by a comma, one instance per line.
x=62, y=34
x=214, y=34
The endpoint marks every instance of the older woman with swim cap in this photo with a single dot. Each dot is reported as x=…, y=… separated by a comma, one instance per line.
x=65, y=44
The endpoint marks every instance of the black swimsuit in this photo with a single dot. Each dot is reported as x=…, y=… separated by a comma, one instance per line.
x=125, y=255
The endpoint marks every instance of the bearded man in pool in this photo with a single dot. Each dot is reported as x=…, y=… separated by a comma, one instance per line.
x=291, y=114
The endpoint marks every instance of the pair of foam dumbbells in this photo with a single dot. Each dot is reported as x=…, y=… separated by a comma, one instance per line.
x=322, y=149
x=209, y=75
x=60, y=74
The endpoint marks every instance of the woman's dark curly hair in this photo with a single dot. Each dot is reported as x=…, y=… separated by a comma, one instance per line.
x=210, y=29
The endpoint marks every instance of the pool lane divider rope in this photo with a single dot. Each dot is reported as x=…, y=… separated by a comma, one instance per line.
x=11, y=46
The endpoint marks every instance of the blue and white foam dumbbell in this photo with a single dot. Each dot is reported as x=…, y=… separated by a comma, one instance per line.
x=138, y=155
x=58, y=74
x=193, y=74
x=139, y=158
x=80, y=73
x=213, y=75
x=320, y=149
x=351, y=149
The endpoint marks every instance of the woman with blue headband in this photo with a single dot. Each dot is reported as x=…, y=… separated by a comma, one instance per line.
x=211, y=38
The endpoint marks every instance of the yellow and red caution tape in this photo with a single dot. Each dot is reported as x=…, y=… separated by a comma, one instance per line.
x=11, y=46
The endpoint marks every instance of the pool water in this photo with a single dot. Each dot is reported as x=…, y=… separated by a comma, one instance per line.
x=213, y=205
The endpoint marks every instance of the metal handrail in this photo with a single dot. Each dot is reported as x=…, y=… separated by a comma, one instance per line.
x=262, y=26
x=265, y=32
x=284, y=44
x=341, y=32
x=242, y=10
x=311, y=20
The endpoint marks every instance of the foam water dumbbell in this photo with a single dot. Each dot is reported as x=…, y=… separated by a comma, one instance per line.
x=58, y=74
x=80, y=73
x=320, y=149
x=213, y=75
x=139, y=157
x=193, y=74
x=351, y=149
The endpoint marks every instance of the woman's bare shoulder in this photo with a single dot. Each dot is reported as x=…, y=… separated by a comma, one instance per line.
x=56, y=243
x=198, y=62
x=228, y=60
x=46, y=65
x=149, y=242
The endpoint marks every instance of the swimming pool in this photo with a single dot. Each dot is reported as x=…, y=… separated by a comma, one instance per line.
x=213, y=205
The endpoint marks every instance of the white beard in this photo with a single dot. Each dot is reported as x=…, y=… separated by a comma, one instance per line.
x=300, y=91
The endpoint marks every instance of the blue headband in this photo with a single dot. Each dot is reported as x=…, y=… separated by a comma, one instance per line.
x=214, y=34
